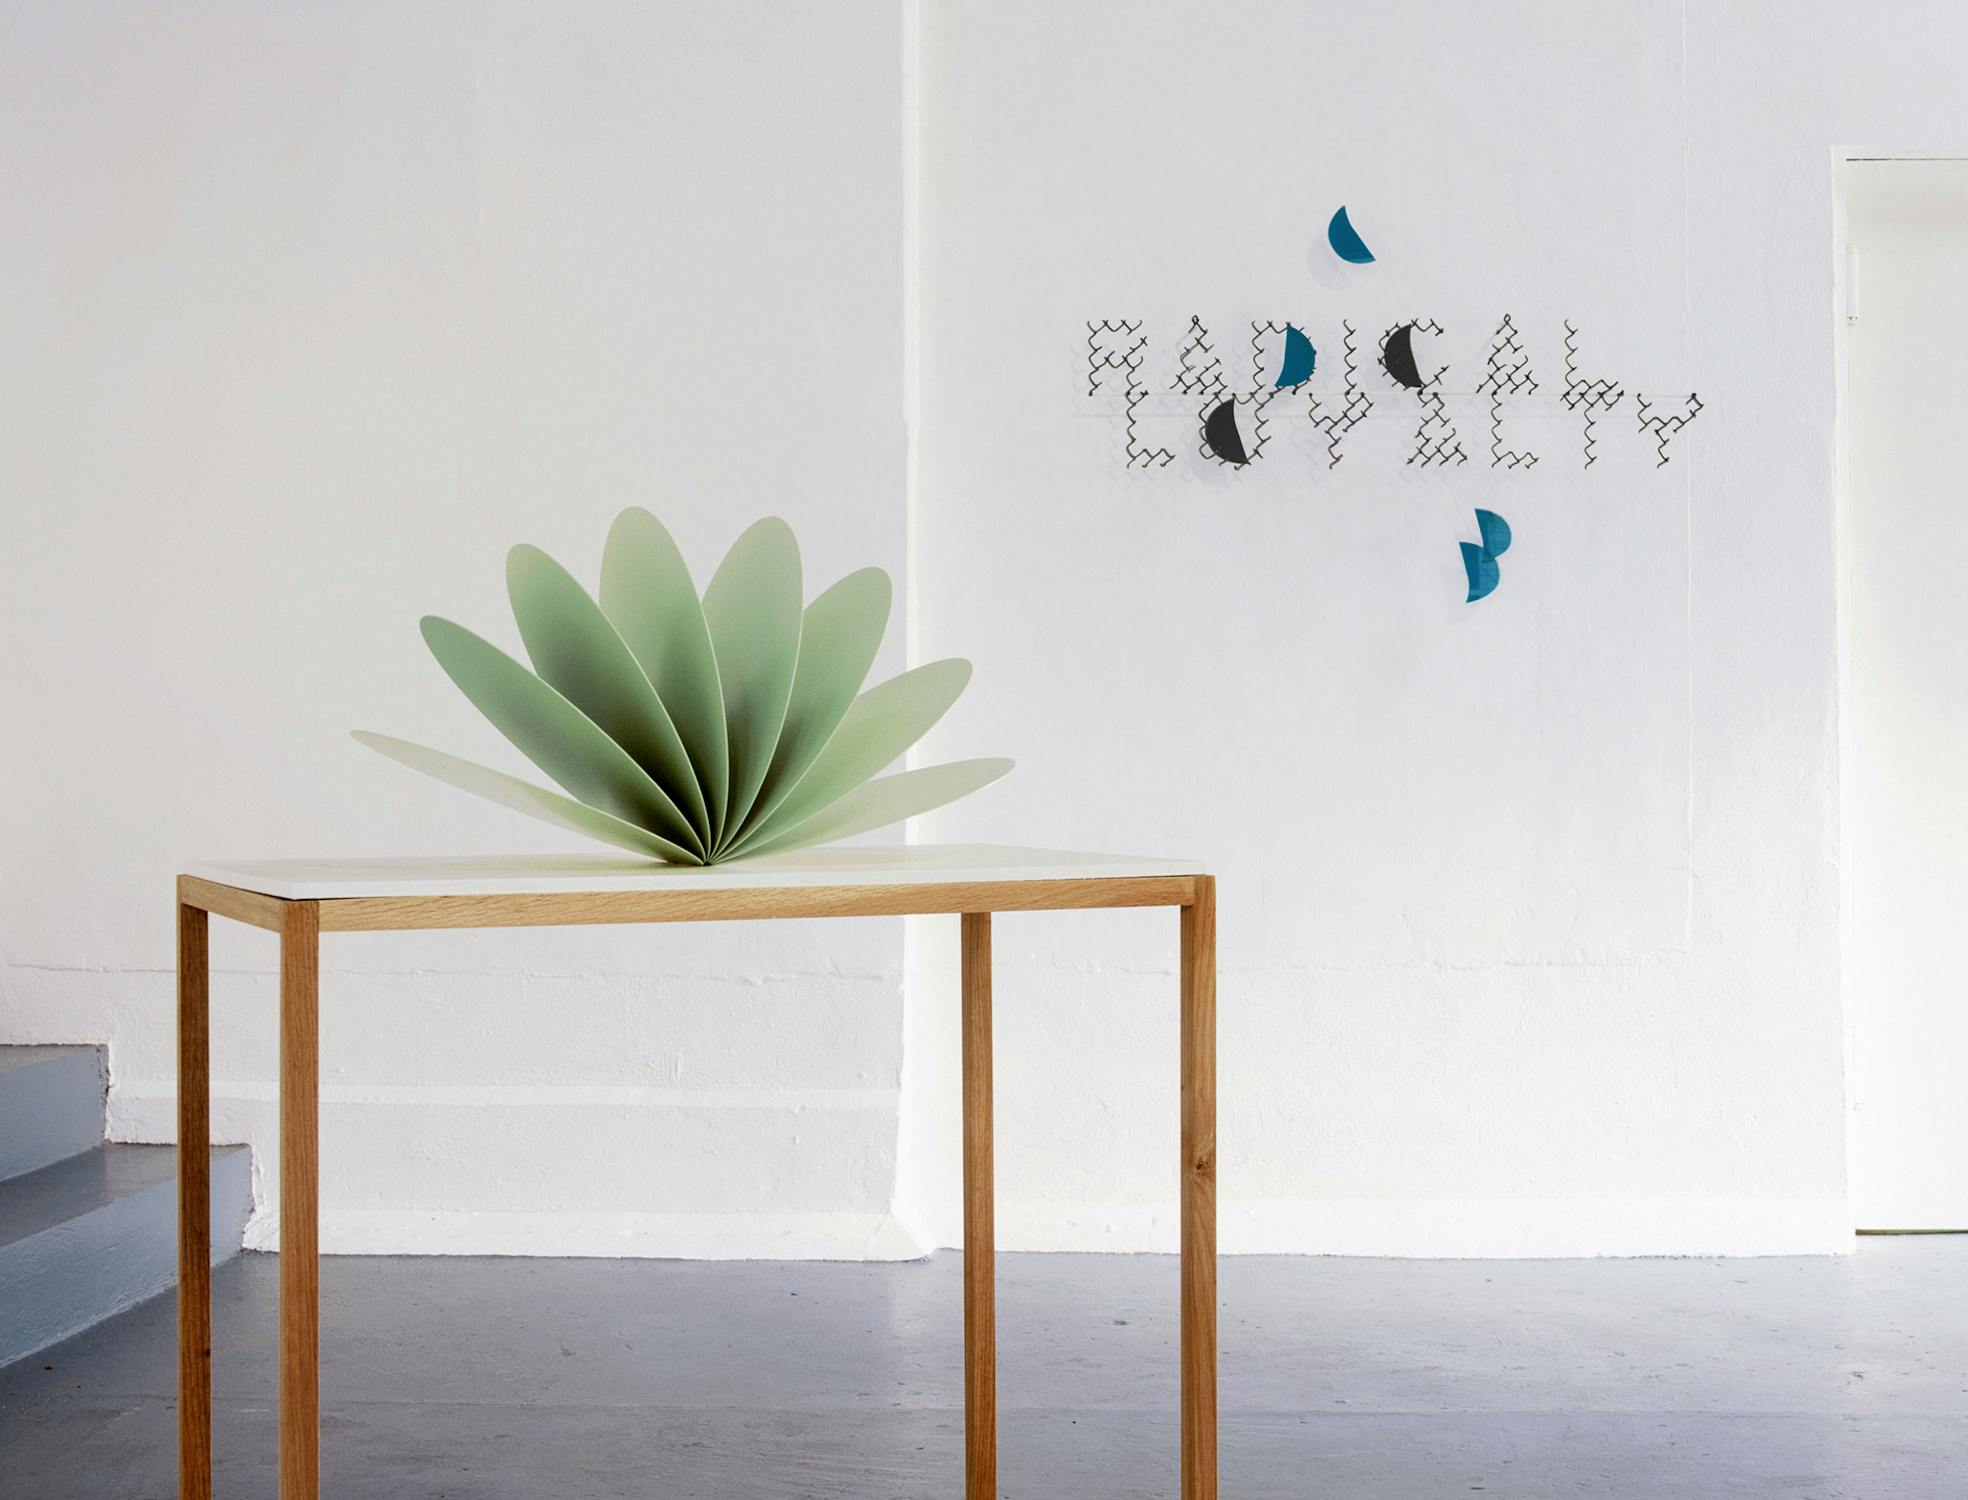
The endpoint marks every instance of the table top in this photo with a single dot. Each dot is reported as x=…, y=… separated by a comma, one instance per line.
x=498, y=875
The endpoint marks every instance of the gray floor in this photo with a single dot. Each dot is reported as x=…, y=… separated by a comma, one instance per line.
x=1350, y=1379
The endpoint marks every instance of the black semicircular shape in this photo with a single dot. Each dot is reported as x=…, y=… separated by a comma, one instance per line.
x=1398, y=355
x=1220, y=432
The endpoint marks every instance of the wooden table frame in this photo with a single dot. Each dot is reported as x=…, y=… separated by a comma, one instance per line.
x=300, y=925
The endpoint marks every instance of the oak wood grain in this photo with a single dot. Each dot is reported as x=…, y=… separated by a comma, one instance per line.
x=1198, y=1065
x=194, y=1205
x=300, y=924
x=229, y=901
x=979, y=1226
x=300, y=1198
x=580, y=908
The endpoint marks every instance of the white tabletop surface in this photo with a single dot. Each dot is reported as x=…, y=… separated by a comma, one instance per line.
x=504, y=875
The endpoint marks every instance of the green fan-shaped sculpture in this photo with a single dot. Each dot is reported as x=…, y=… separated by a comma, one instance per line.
x=692, y=730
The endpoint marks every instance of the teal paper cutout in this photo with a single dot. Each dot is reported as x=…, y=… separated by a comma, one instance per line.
x=1479, y=560
x=1295, y=368
x=1346, y=241
x=698, y=731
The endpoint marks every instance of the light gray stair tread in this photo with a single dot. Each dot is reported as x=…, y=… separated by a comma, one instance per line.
x=83, y=1183
x=96, y=1233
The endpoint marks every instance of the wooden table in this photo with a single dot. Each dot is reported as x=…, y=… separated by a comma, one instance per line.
x=302, y=899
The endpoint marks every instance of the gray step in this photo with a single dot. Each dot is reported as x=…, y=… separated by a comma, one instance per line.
x=98, y=1232
x=51, y=1105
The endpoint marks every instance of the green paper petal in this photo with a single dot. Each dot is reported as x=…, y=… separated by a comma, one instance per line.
x=699, y=729
x=879, y=725
x=578, y=652
x=839, y=635
x=647, y=595
x=524, y=797
x=888, y=800
x=752, y=605
x=551, y=732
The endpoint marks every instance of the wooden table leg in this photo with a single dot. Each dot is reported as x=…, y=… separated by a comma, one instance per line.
x=194, y=1205
x=300, y=1205
x=980, y=1233
x=1199, y=1194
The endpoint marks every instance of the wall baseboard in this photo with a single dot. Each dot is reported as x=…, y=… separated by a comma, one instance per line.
x=1466, y=1228
x=1485, y=1229
x=629, y=1236
x=1473, y=1228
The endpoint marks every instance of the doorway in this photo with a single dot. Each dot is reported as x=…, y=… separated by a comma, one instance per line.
x=1903, y=534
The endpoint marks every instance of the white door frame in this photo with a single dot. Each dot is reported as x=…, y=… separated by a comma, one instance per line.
x=1847, y=291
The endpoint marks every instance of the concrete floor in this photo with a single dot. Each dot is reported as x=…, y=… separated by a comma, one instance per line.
x=1350, y=1379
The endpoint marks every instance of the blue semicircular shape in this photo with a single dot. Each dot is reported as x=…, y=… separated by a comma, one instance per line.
x=1496, y=532
x=1295, y=367
x=1346, y=241
x=1482, y=570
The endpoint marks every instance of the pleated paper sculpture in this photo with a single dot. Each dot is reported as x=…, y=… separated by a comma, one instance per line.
x=692, y=730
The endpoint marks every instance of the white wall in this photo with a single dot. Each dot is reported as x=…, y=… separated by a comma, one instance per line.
x=1529, y=907
x=308, y=312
